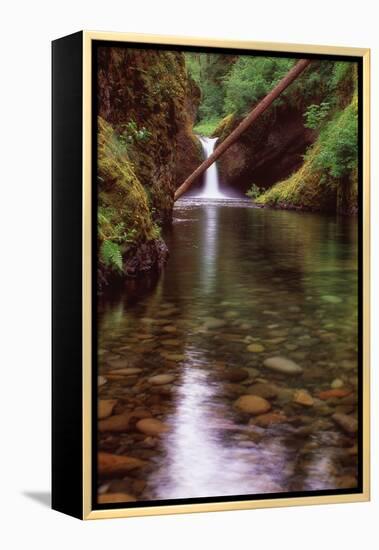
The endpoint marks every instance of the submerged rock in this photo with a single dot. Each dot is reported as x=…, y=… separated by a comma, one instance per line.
x=337, y=383
x=252, y=404
x=117, y=363
x=267, y=391
x=105, y=407
x=101, y=380
x=111, y=465
x=212, y=322
x=234, y=375
x=348, y=423
x=333, y=393
x=169, y=328
x=116, y=423
x=281, y=364
x=109, y=498
x=152, y=426
x=269, y=419
x=161, y=379
x=303, y=397
x=171, y=342
x=127, y=371
x=255, y=348
x=331, y=299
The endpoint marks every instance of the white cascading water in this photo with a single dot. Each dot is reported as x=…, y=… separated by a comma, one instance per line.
x=211, y=188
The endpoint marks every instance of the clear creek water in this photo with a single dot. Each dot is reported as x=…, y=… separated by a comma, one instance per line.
x=242, y=285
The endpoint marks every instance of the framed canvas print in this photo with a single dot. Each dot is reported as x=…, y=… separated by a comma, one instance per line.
x=210, y=275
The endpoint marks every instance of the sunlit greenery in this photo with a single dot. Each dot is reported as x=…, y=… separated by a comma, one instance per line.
x=315, y=114
x=254, y=191
x=124, y=214
x=250, y=79
x=339, y=142
x=206, y=127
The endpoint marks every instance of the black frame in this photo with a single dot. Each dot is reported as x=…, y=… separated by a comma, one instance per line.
x=67, y=311
x=265, y=496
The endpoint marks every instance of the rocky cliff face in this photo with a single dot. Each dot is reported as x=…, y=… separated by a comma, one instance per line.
x=327, y=180
x=147, y=96
x=268, y=151
x=146, y=107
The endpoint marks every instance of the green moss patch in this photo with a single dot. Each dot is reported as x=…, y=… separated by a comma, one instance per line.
x=124, y=216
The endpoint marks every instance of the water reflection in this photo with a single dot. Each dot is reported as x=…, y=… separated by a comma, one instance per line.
x=209, y=250
x=209, y=454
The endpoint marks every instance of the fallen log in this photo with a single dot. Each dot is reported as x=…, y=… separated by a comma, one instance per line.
x=247, y=121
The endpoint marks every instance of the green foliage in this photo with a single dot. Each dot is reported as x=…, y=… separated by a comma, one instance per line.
x=193, y=66
x=116, y=231
x=209, y=72
x=339, y=73
x=254, y=192
x=250, y=79
x=206, y=127
x=315, y=114
x=132, y=134
x=110, y=254
x=339, y=143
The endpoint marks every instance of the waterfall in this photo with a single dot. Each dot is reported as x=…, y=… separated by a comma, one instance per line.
x=211, y=188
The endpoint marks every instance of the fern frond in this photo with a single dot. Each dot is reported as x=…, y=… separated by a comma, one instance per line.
x=111, y=255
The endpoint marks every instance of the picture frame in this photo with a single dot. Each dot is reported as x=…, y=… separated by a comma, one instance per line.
x=75, y=249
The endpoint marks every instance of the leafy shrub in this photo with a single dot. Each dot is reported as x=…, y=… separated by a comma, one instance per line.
x=254, y=192
x=315, y=114
x=250, y=79
x=209, y=72
x=132, y=134
x=206, y=127
x=339, y=143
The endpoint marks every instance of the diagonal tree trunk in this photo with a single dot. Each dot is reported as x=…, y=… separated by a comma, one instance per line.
x=247, y=121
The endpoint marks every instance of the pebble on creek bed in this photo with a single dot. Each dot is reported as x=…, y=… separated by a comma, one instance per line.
x=283, y=365
x=152, y=426
x=252, y=404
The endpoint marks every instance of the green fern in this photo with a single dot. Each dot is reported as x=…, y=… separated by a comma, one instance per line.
x=111, y=255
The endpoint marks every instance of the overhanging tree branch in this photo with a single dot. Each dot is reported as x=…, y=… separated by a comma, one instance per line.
x=247, y=121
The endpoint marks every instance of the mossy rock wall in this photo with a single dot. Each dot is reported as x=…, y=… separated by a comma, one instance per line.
x=317, y=185
x=128, y=238
x=305, y=190
x=270, y=150
x=151, y=89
